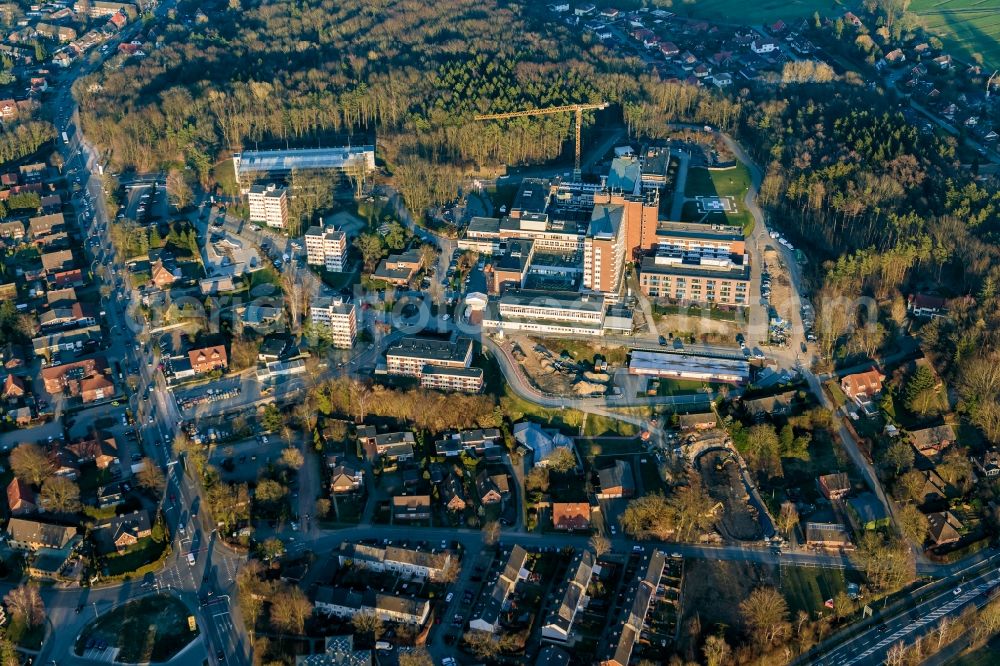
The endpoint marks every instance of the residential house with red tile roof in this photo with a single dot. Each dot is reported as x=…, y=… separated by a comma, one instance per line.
x=862, y=386
x=207, y=359
x=571, y=515
x=21, y=499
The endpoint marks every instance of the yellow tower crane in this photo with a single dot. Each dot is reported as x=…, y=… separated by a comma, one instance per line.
x=577, y=108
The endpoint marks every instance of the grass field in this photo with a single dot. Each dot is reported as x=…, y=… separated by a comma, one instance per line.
x=682, y=386
x=759, y=12
x=597, y=426
x=966, y=26
x=807, y=588
x=516, y=408
x=733, y=182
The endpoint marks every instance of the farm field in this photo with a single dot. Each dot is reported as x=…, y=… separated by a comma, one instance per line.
x=760, y=12
x=968, y=26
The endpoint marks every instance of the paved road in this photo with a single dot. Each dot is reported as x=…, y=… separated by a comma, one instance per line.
x=871, y=647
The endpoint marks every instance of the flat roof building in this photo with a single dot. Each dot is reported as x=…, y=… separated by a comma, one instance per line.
x=700, y=274
x=688, y=366
x=439, y=364
x=251, y=164
x=326, y=247
x=268, y=205
x=338, y=316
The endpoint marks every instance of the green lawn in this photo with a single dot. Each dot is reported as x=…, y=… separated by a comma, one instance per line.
x=650, y=475
x=682, y=386
x=517, y=409
x=139, y=555
x=21, y=635
x=732, y=182
x=968, y=27
x=759, y=12
x=150, y=629
x=699, y=184
x=598, y=425
x=807, y=588
x=590, y=448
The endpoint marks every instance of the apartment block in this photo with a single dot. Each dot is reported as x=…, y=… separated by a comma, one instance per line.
x=396, y=559
x=338, y=316
x=645, y=594
x=269, y=205
x=701, y=275
x=439, y=364
x=326, y=247
x=98, y=8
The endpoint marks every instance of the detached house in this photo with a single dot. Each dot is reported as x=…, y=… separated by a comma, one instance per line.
x=21, y=499
x=491, y=488
x=834, y=486
x=208, y=359
x=125, y=531
x=102, y=451
x=346, y=479
x=762, y=46
x=944, y=528
x=571, y=515
x=453, y=493
x=930, y=442
x=862, y=386
x=616, y=481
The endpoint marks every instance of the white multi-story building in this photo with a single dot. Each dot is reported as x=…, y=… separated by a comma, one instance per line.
x=269, y=205
x=346, y=603
x=408, y=562
x=540, y=311
x=326, y=247
x=339, y=316
x=439, y=364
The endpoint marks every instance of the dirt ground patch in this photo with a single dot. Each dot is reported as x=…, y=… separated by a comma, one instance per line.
x=713, y=590
x=552, y=372
x=781, y=285
x=716, y=330
x=738, y=519
x=540, y=369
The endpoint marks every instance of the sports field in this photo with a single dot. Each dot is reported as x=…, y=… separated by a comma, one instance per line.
x=967, y=26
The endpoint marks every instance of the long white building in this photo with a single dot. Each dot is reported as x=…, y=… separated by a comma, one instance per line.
x=687, y=366
x=255, y=164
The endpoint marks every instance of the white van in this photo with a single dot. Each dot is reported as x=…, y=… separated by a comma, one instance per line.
x=191, y=559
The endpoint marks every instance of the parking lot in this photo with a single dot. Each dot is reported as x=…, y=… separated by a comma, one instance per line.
x=145, y=203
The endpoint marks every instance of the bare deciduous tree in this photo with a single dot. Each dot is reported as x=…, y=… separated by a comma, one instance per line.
x=25, y=604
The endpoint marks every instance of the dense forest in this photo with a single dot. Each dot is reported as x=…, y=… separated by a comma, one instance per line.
x=305, y=71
